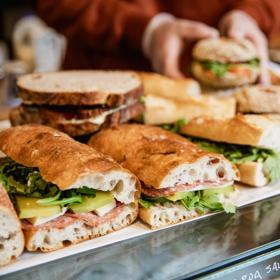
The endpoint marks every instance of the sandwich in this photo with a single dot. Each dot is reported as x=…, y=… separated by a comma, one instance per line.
x=224, y=62
x=64, y=191
x=161, y=110
x=249, y=141
x=162, y=86
x=11, y=236
x=258, y=99
x=179, y=180
x=78, y=102
x=168, y=100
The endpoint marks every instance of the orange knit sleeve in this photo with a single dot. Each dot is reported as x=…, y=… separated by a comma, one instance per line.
x=102, y=24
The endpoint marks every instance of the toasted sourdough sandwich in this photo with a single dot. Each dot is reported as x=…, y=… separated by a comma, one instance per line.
x=249, y=141
x=65, y=192
x=11, y=236
x=78, y=102
x=258, y=99
x=179, y=180
x=225, y=62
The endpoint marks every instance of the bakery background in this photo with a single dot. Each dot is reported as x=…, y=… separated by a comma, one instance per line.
x=27, y=45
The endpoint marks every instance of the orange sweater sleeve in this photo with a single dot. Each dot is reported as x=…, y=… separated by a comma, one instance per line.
x=101, y=24
x=265, y=12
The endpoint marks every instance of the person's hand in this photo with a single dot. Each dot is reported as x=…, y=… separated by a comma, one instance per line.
x=167, y=42
x=239, y=25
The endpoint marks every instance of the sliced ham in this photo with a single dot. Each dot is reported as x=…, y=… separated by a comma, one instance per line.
x=92, y=219
x=61, y=222
x=179, y=188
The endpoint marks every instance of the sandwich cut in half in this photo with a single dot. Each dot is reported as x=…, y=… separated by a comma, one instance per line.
x=64, y=191
x=224, y=62
x=78, y=102
x=11, y=236
x=249, y=141
x=179, y=180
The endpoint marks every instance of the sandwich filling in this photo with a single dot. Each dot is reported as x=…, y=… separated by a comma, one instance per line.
x=201, y=201
x=38, y=202
x=239, y=154
x=220, y=69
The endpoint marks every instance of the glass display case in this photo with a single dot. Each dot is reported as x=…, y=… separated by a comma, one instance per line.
x=243, y=246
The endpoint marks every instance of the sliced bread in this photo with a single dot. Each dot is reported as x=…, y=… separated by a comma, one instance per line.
x=83, y=87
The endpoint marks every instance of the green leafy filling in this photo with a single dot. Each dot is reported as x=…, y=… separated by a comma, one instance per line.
x=21, y=180
x=200, y=201
x=242, y=154
x=220, y=69
x=175, y=127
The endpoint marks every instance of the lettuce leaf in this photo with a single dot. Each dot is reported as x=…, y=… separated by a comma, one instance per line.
x=175, y=127
x=197, y=201
x=243, y=154
x=217, y=68
x=220, y=69
x=21, y=180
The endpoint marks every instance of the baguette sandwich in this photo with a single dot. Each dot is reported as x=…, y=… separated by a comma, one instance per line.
x=78, y=102
x=64, y=191
x=249, y=141
x=179, y=180
x=161, y=110
x=168, y=100
x=165, y=87
x=11, y=236
x=224, y=62
x=259, y=99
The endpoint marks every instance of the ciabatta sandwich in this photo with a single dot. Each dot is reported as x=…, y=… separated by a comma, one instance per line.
x=11, y=236
x=64, y=191
x=224, y=62
x=249, y=141
x=78, y=102
x=258, y=99
x=179, y=180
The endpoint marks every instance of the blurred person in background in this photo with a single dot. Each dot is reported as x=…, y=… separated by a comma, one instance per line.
x=155, y=34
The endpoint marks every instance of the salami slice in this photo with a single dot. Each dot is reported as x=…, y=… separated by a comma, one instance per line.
x=92, y=219
x=59, y=223
x=149, y=191
x=67, y=219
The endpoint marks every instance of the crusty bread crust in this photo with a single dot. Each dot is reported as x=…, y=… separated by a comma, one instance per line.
x=82, y=95
x=56, y=119
x=224, y=50
x=158, y=216
x=11, y=236
x=155, y=155
x=161, y=110
x=162, y=86
x=259, y=99
x=254, y=130
x=236, y=75
x=66, y=162
x=252, y=174
x=47, y=240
